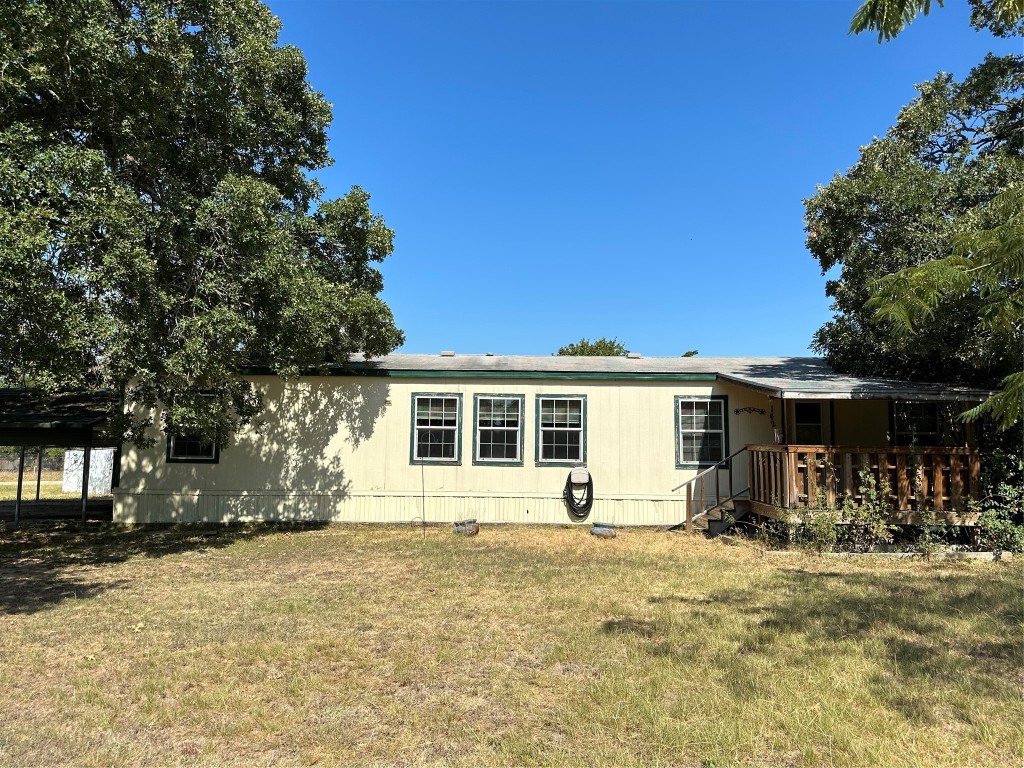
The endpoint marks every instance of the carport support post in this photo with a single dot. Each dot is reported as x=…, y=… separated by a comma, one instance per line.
x=21, y=476
x=85, y=479
x=39, y=471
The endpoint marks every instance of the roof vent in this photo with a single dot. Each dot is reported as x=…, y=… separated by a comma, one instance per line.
x=448, y=353
x=634, y=355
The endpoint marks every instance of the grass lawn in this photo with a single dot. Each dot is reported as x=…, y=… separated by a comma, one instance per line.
x=51, y=486
x=520, y=646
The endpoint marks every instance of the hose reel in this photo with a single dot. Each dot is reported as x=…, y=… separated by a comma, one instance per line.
x=579, y=493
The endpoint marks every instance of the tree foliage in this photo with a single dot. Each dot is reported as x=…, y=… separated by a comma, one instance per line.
x=160, y=230
x=908, y=204
x=890, y=17
x=987, y=263
x=601, y=347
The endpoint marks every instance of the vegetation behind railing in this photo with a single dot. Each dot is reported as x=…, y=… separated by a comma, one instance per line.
x=920, y=479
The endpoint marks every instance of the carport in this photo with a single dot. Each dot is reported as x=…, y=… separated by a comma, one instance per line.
x=72, y=420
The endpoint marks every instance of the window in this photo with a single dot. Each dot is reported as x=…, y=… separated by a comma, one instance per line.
x=918, y=424
x=436, y=421
x=191, y=449
x=498, y=438
x=561, y=424
x=808, y=423
x=701, y=431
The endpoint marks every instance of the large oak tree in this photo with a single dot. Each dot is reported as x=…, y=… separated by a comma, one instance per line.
x=159, y=227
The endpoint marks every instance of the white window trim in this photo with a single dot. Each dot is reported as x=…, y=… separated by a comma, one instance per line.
x=682, y=463
x=478, y=443
x=457, y=429
x=582, y=429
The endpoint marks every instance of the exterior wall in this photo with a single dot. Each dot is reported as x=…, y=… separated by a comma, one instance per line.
x=862, y=423
x=338, y=448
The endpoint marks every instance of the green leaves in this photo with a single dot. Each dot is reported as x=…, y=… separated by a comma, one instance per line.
x=602, y=347
x=988, y=263
x=159, y=227
x=890, y=17
x=910, y=300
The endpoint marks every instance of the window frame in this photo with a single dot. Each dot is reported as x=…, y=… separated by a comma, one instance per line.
x=820, y=423
x=172, y=459
x=476, y=430
x=538, y=434
x=900, y=417
x=413, y=429
x=724, y=400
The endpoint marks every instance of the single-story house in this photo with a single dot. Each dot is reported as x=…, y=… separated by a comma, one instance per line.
x=440, y=438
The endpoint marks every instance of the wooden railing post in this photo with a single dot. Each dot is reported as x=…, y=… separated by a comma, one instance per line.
x=779, y=475
x=689, y=507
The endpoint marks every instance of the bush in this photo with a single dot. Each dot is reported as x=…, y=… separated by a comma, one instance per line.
x=999, y=526
x=866, y=526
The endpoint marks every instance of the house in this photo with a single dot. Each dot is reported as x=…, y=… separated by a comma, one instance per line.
x=439, y=438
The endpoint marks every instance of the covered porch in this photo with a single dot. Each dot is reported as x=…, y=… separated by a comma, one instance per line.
x=835, y=441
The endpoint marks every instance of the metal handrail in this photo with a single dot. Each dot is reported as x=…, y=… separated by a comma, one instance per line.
x=717, y=465
x=699, y=477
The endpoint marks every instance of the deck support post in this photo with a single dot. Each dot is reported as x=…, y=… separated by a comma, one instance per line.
x=87, y=455
x=21, y=477
x=39, y=471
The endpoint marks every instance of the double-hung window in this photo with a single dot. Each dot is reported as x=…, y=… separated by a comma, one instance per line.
x=701, y=433
x=561, y=429
x=436, y=420
x=191, y=449
x=498, y=436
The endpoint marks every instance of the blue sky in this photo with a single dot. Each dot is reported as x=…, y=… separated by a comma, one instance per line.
x=558, y=170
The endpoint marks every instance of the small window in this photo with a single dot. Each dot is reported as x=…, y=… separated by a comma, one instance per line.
x=808, y=423
x=499, y=429
x=701, y=433
x=561, y=421
x=190, y=448
x=436, y=421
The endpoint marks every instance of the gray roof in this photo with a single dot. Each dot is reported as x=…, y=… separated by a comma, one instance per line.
x=787, y=377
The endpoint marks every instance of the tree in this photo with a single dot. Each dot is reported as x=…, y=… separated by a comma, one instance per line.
x=890, y=17
x=909, y=201
x=602, y=348
x=988, y=262
x=160, y=230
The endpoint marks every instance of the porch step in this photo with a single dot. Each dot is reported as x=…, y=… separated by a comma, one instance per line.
x=720, y=518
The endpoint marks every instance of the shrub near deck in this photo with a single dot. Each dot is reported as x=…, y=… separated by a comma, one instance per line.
x=518, y=646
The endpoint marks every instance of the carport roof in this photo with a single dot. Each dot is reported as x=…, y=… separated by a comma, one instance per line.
x=21, y=409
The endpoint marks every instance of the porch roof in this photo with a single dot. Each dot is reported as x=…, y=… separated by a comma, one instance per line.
x=785, y=377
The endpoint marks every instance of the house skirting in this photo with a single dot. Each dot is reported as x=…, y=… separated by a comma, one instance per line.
x=380, y=507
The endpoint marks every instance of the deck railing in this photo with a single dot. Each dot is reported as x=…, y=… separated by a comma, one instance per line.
x=920, y=479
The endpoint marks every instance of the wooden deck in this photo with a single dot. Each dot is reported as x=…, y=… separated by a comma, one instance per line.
x=101, y=509
x=938, y=481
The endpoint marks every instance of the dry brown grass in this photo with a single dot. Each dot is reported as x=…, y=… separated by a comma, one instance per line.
x=50, y=487
x=521, y=646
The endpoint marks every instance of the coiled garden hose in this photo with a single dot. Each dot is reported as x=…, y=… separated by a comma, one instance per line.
x=579, y=506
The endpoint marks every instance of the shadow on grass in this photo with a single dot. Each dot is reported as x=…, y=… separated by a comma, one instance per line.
x=44, y=565
x=924, y=628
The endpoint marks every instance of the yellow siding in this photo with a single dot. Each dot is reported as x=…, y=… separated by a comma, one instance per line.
x=338, y=448
x=862, y=423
